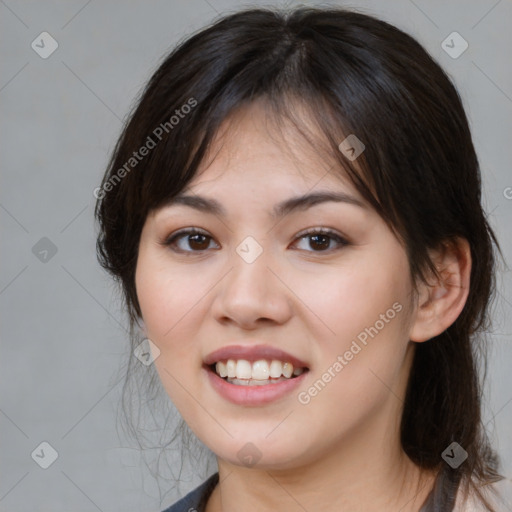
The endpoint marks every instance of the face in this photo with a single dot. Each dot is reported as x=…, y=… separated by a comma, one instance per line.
x=255, y=283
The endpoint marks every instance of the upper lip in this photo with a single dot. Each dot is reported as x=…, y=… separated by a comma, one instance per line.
x=252, y=353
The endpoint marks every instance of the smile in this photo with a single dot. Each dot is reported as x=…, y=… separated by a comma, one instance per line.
x=253, y=375
x=258, y=373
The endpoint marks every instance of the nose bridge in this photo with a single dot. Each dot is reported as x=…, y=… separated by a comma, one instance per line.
x=250, y=275
x=250, y=290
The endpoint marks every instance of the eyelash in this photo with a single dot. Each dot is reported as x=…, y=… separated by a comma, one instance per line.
x=171, y=240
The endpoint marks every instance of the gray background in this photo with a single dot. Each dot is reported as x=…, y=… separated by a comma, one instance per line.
x=62, y=335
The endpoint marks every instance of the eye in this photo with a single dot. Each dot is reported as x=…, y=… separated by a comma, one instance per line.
x=196, y=239
x=320, y=239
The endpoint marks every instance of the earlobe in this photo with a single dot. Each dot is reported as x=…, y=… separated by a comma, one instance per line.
x=441, y=301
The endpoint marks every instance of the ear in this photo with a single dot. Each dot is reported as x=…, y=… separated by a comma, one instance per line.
x=441, y=301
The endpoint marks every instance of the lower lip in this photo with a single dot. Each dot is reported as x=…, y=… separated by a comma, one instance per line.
x=253, y=395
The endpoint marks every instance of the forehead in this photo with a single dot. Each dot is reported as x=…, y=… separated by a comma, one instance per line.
x=254, y=147
x=257, y=165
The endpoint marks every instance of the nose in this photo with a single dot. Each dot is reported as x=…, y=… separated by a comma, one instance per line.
x=252, y=294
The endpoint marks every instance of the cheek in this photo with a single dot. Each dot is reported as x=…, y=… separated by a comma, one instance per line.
x=367, y=311
x=157, y=299
x=167, y=300
x=349, y=300
x=166, y=294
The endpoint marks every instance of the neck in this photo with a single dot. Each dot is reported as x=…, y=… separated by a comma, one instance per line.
x=357, y=475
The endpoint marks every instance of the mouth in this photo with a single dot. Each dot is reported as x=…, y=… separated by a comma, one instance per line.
x=254, y=375
x=262, y=372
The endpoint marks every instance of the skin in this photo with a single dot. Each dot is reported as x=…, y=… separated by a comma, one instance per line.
x=341, y=451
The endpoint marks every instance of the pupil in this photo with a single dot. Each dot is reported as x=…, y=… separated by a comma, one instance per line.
x=315, y=238
x=198, y=244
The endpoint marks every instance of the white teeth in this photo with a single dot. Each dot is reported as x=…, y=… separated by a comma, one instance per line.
x=287, y=370
x=260, y=370
x=254, y=382
x=221, y=369
x=231, y=368
x=276, y=369
x=244, y=372
x=243, y=369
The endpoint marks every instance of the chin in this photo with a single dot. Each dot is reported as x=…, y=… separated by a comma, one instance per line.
x=254, y=450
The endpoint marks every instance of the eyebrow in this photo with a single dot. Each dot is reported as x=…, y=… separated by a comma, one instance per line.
x=299, y=203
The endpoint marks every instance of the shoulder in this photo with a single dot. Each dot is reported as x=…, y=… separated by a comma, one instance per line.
x=195, y=500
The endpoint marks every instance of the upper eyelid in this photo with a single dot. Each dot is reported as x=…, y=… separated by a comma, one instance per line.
x=173, y=237
x=307, y=231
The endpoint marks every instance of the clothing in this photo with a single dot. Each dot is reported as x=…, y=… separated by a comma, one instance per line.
x=441, y=499
x=443, y=495
x=195, y=501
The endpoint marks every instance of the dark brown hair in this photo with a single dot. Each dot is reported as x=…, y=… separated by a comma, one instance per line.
x=354, y=74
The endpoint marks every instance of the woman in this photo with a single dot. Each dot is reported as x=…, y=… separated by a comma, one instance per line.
x=293, y=212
